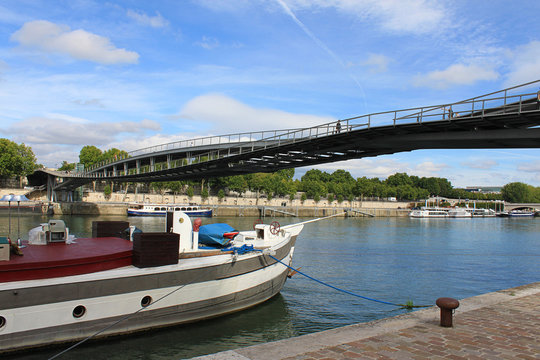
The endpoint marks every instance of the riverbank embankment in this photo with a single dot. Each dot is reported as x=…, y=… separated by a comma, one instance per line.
x=96, y=203
x=112, y=209
x=498, y=325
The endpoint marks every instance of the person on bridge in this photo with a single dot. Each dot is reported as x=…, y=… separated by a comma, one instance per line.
x=338, y=126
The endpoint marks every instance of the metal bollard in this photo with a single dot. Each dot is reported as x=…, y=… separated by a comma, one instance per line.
x=447, y=306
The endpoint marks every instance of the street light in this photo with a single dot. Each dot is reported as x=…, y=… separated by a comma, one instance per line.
x=18, y=199
x=9, y=199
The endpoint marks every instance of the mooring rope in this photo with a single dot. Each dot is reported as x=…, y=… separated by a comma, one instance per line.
x=236, y=251
x=405, y=306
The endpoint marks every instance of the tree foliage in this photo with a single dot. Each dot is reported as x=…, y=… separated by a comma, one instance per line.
x=90, y=155
x=66, y=166
x=518, y=192
x=16, y=159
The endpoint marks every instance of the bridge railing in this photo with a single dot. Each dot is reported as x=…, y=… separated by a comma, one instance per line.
x=492, y=104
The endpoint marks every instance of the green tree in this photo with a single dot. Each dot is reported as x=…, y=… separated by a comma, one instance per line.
x=107, y=191
x=16, y=159
x=398, y=179
x=221, y=195
x=175, y=186
x=190, y=192
x=89, y=155
x=113, y=154
x=517, y=192
x=204, y=194
x=66, y=166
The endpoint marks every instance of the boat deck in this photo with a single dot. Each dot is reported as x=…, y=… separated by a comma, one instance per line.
x=86, y=255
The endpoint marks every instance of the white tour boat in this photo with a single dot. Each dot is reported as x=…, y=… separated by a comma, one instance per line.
x=429, y=212
x=458, y=212
x=119, y=282
x=161, y=209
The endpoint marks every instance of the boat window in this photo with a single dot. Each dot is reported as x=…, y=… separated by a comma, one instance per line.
x=2, y=322
x=156, y=208
x=183, y=209
x=79, y=311
x=163, y=208
x=176, y=209
x=147, y=300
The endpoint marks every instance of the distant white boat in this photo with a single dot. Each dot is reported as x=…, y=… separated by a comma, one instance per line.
x=429, y=212
x=161, y=209
x=459, y=213
x=521, y=213
x=481, y=212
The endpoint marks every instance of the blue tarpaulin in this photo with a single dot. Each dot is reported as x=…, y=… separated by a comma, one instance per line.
x=216, y=234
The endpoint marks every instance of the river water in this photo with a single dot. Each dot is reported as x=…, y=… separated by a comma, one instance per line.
x=390, y=259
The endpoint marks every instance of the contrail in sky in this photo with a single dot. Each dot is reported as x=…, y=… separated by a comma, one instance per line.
x=320, y=44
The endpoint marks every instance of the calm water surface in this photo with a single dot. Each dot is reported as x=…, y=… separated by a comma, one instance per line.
x=391, y=259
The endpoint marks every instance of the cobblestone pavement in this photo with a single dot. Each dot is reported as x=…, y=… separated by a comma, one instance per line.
x=510, y=330
x=499, y=325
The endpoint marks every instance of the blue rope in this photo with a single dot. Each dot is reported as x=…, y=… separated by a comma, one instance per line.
x=244, y=249
x=335, y=288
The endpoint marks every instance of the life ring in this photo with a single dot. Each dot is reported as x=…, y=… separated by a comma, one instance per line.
x=274, y=228
x=257, y=222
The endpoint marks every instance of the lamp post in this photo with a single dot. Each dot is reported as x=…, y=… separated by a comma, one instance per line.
x=18, y=199
x=9, y=199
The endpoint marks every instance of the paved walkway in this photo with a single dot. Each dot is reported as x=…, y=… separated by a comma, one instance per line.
x=499, y=325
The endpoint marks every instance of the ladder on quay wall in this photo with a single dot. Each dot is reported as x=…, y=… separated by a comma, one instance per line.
x=274, y=210
x=361, y=212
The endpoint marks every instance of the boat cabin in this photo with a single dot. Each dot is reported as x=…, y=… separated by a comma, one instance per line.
x=50, y=232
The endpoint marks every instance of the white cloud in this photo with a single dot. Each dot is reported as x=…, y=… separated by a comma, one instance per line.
x=525, y=64
x=156, y=21
x=480, y=164
x=3, y=65
x=456, y=74
x=79, y=44
x=413, y=16
x=208, y=43
x=377, y=63
x=65, y=130
x=532, y=166
x=381, y=167
x=384, y=166
x=228, y=6
x=90, y=103
x=229, y=115
x=428, y=169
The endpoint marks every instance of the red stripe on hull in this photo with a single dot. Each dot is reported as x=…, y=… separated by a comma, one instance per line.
x=59, y=259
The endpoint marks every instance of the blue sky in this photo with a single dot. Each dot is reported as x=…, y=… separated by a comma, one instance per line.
x=130, y=74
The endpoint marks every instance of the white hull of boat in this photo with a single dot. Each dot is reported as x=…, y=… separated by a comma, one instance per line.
x=128, y=299
x=53, y=322
x=428, y=213
x=161, y=210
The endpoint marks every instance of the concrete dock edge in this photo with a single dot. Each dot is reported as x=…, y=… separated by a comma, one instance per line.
x=427, y=319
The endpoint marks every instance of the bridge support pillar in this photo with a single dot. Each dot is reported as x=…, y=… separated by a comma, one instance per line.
x=51, y=183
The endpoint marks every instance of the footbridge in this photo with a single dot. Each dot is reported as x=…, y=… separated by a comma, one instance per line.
x=508, y=118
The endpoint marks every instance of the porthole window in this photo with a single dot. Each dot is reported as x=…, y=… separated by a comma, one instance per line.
x=2, y=322
x=147, y=300
x=79, y=311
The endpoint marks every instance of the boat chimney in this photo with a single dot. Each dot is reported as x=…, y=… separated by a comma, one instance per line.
x=195, y=234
